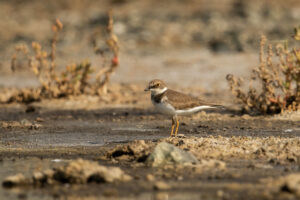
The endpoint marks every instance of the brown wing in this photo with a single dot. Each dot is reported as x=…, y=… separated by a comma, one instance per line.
x=182, y=101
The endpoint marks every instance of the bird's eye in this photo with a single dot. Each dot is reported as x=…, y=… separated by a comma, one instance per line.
x=158, y=84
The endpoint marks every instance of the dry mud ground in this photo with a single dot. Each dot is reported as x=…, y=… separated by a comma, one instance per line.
x=245, y=155
x=253, y=151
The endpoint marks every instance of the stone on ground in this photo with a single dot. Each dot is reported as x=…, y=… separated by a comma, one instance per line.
x=165, y=153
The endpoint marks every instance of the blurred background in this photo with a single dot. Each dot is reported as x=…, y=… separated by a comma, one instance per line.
x=184, y=42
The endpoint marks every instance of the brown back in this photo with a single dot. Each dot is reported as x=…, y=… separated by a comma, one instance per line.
x=182, y=101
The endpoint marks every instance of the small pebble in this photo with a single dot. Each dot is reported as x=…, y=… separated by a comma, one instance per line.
x=160, y=185
x=150, y=177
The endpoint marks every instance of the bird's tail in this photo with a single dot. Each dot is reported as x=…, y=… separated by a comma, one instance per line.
x=218, y=106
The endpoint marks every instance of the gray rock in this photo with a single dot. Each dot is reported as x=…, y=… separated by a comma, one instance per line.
x=165, y=153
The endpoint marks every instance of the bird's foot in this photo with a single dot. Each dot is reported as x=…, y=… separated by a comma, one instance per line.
x=180, y=135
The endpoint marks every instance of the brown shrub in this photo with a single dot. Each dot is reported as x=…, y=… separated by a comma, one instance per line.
x=278, y=76
x=75, y=78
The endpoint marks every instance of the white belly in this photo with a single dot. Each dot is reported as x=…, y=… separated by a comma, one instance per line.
x=165, y=108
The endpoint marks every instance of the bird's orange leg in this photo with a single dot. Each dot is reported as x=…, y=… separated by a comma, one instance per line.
x=171, y=135
x=177, y=126
x=173, y=124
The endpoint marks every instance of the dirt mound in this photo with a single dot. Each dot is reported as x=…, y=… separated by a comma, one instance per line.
x=76, y=172
x=271, y=148
x=20, y=124
x=134, y=151
x=284, y=187
x=170, y=151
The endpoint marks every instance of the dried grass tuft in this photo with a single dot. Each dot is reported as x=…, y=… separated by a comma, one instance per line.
x=278, y=76
x=75, y=78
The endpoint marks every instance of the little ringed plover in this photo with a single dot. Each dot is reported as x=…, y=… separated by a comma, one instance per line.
x=175, y=103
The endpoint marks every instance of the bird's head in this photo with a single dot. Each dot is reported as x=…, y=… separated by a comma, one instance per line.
x=156, y=86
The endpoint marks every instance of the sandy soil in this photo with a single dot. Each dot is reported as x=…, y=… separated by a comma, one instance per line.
x=192, y=49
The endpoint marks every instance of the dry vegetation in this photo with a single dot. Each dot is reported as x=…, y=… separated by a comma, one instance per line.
x=278, y=76
x=75, y=79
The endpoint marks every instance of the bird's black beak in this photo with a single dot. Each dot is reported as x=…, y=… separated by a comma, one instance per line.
x=146, y=89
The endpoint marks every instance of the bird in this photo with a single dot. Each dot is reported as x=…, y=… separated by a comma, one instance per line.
x=173, y=103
